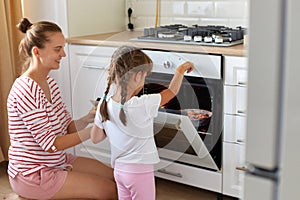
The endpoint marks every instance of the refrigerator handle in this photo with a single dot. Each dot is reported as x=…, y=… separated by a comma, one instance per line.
x=242, y=168
x=268, y=174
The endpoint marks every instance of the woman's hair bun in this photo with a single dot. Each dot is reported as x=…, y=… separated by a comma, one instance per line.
x=24, y=25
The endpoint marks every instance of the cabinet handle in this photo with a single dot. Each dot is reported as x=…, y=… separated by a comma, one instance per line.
x=241, y=112
x=242, y=83
x=170, y=173
x=240, y=141
x=242, y=168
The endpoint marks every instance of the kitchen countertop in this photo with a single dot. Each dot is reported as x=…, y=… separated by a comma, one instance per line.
x=124, y=38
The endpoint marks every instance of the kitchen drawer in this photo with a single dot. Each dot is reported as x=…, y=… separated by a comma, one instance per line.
x=236, y=70
x=89, y=84
x=202, y=178
x=86, y=56
x=233, y=169
x=234, y=128
x=235, y=100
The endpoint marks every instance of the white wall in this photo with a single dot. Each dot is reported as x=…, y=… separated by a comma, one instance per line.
x=87, y=17
x=230, y=13
x=50, y=10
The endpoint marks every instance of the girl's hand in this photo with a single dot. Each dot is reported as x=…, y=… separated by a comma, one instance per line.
x=185, y=67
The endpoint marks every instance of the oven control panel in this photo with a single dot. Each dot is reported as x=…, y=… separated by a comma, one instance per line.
x=206, y=66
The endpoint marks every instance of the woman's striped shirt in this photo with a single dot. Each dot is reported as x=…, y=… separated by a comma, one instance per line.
x=33, y=124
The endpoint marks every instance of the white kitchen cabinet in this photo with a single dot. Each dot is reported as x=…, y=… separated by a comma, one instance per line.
x=235, y=128
x=198, y=177
x=233, y=169
x=235, y=104
x=235, y=100
x=88, y=81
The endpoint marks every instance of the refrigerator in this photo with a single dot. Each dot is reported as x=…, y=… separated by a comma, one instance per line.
x=273, y=110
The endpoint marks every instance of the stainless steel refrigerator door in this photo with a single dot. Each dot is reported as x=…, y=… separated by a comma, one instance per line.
x=265, y=54
x=290, y=161
x=257, y=188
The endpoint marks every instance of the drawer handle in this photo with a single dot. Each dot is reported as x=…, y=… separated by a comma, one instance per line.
x=240, y=141
x=164, y=171
x=241, y=112
x=242, y=83
x=242, y=168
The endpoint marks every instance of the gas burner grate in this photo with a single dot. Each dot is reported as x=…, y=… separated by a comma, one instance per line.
x=210, y=35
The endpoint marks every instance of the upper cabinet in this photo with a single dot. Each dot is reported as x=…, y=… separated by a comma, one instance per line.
x=77, y=17
x=95, y=16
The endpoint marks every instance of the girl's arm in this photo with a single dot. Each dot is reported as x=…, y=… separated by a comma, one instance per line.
x=97, y=134
x=174, y=87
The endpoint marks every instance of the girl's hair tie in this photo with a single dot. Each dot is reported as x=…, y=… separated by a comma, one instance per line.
x=104, y=97
x=121, y=106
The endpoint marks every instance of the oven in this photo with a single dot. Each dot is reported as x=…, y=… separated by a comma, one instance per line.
x=188, y=129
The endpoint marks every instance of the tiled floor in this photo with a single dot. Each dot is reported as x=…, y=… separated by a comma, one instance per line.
x=166, y=190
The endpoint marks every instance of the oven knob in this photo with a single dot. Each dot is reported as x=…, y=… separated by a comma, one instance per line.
x=167, y=64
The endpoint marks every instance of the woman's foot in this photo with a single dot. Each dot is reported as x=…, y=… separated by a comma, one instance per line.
x=13, y=196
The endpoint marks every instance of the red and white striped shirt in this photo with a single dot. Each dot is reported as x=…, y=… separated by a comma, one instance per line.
x=33, y=124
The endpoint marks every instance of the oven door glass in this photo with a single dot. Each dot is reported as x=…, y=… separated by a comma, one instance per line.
x=178, y=140
x=182, y=134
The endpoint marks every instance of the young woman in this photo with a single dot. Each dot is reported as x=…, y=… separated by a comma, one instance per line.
x=41, y=128
x=127, y=120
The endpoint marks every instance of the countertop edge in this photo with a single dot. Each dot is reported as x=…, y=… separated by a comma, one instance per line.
x=116, y=39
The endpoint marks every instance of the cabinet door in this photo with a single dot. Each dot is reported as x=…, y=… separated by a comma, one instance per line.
x=233, y=166
x=234, y=128
x=62, y=77
x=89, y=66
x=236, y=70
x=235, y=100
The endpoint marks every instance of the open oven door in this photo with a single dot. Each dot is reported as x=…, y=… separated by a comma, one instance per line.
x=178, y=141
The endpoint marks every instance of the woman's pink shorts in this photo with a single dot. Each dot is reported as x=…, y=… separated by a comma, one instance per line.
x=43, y=184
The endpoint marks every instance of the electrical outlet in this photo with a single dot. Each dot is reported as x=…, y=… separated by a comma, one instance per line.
x=130, y=4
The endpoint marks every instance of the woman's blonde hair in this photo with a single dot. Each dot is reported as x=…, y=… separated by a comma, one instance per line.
x=125, y=61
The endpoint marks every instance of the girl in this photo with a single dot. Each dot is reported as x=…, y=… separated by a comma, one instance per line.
x=127, y=120
x=41, y=128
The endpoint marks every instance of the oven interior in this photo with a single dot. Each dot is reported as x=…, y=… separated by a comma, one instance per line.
x=196, y=93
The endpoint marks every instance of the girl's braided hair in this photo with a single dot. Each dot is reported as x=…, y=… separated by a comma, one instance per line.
x=125, y=61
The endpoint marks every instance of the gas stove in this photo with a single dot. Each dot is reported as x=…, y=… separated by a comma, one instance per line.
x=196, y=35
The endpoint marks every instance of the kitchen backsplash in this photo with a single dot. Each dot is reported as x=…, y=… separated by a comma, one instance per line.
x=229, y=13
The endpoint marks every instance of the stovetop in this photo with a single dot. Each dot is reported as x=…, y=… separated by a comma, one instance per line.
x=210, y=35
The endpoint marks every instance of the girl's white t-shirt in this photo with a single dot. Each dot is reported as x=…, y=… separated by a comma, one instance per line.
x=133, y=143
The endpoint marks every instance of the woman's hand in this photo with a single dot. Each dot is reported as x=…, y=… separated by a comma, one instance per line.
x=79, y=124
x=89, y=118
